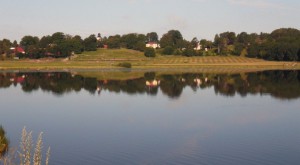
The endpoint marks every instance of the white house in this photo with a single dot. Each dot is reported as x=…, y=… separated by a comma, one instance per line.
x=152, y=45
x=198, y=47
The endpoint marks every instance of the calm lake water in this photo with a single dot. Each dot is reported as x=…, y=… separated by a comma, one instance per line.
x=130, y=118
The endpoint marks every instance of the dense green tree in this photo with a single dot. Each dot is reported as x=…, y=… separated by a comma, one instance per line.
x=129, y=40
x=114, y=42
x=231, y=38
x=238, y=48
x=31, y=46
x=45, y=42
x=90, y=43
x=228, y=37
x=152, y=37
x=253, y=51
x=285, y=34
x=134, y=41
x=173, y=38
x=15, y=43
x=169, y=50
x=223, y=41
x=243, y=38
x=29, y=41
x=194, y=42
x=58, y=37
x=77, y=44
x=189, y=52
x=206, y=44
x=5, y=46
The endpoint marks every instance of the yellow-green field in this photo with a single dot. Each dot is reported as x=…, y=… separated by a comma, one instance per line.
x=106, y=58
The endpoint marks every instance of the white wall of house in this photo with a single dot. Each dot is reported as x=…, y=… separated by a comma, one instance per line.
x=198, y=47
x=152, y=45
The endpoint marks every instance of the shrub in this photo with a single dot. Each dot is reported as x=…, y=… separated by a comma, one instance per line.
x=149, y=52
x=125, y=64
x=189, y=52
x=168, y=50
x=178, y=52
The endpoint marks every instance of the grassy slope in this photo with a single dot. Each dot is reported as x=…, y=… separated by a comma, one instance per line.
x=105, y=58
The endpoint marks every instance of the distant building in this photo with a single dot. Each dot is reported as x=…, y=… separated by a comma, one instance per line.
x=154, y=45
x=99, y=38
x=198, y=47
x=153, y=83
x=17, y=50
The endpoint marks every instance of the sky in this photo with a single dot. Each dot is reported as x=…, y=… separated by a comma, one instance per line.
x=193, y=18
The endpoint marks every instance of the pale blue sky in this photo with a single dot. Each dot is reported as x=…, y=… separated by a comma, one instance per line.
x=194, y=18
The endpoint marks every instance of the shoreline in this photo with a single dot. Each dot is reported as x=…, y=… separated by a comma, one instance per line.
x=153, y=68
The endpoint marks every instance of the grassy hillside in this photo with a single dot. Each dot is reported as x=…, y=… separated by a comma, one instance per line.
x=107, y=58
x=110, y=54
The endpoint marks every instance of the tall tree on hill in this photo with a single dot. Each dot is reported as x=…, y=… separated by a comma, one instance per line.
x=114, y=42
x=45, y=42
x=77, y=44
x=243, y=38
x=173, y=38
x=30, y=44
x=5, y=46
x=90, y=43
x=134, y=41
x=58, y=37
x=194, y=42
x=15, y=43
x=152, y=37
x=206, y=44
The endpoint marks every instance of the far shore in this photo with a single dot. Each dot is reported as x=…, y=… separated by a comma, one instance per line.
x=105, y=59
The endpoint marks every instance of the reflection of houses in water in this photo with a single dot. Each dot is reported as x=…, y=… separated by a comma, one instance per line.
x=18, y=79
x=182, y=79
x=99, y=89
x=198, y=82
x=100, y=85
x=153, y=83
x=152, y=86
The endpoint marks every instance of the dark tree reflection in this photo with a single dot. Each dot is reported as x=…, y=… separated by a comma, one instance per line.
x=279, y=84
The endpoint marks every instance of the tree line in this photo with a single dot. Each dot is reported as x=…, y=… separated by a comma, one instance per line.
x=55, y=45
x=280, y=45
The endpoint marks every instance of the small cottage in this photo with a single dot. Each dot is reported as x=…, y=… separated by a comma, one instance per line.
x=154, y=45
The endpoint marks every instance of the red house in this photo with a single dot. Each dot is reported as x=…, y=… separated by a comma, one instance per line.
x=18, y=49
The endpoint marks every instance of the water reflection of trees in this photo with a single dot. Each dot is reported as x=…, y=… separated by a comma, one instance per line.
x=279, y=84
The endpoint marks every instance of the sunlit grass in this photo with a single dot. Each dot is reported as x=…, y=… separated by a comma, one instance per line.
x=29, y=154
x=111, y=58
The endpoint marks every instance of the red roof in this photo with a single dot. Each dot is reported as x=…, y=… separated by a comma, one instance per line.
x=19, y=49
x=20, y=79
